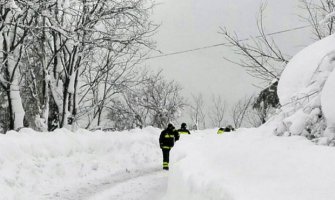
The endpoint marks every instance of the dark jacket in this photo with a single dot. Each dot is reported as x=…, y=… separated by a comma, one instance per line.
x=168, y=138
x=183, y=131
x=229, y=128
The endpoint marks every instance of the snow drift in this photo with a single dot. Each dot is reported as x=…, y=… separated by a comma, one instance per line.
x=306, y=94
x=35, y=165
x=250, y=164
x=301, y=70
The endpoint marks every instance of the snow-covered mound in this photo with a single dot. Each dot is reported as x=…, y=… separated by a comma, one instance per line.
x=34, y=165
x=301, y=69
x=250, y=164
x=307, y=78
x=328, y=104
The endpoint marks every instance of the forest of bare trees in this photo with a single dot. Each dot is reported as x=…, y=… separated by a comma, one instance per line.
x=66, y=62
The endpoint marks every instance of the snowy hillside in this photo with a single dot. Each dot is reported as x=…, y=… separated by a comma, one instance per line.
x=306, y=94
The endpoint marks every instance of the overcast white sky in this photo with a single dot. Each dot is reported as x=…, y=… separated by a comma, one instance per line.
x=187, y=24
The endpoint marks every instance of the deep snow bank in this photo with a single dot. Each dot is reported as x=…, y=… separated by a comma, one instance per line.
x=328, y=105
x=250, y=164
x=307, y=78
x=299, y=72
x=33, y=164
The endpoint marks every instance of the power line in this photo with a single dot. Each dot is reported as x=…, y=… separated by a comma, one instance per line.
x=221, y=44
x=287, y=30
x=185, y=51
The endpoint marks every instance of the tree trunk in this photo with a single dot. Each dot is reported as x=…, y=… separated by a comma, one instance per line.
x=65, y=113
x=45, y=104
x=11, y=117
x=16, y=103
x=14, y=93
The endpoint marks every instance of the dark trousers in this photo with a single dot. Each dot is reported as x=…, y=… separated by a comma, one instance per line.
x=166, y=156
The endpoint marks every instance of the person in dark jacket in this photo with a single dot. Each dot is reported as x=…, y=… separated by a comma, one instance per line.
x=166, y=141
x=229, y=128
x=183, y=129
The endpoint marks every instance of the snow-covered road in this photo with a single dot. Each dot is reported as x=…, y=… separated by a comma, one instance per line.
x=143, y=184
x=248, y=164
x=146, y=186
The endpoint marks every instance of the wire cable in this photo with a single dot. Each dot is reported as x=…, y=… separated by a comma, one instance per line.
x=221, y=44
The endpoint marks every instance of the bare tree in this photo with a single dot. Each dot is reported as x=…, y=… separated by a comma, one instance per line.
x=164, y=100
x=14, y=28
x=316, y=12
x=240, y=111
x=153, y=101
x=124, y=43
x=123, y=117
x=260, y=56
x=113, y=26
x=106, y=79
x=253, y=118
x=263, y=59
x=196, y=112
x=217, y=111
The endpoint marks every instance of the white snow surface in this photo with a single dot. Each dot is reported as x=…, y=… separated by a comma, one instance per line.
x=41, y=165
x=248, y=164
x=305, y=91
x=328, y=104
x=300, y=70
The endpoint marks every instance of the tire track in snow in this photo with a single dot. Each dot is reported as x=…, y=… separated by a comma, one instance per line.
x=148, y=186
x=129, y=185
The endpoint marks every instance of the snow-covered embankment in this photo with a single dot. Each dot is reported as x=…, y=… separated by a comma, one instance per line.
x=307, y=95
x=34, y=164
x=251, y=164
